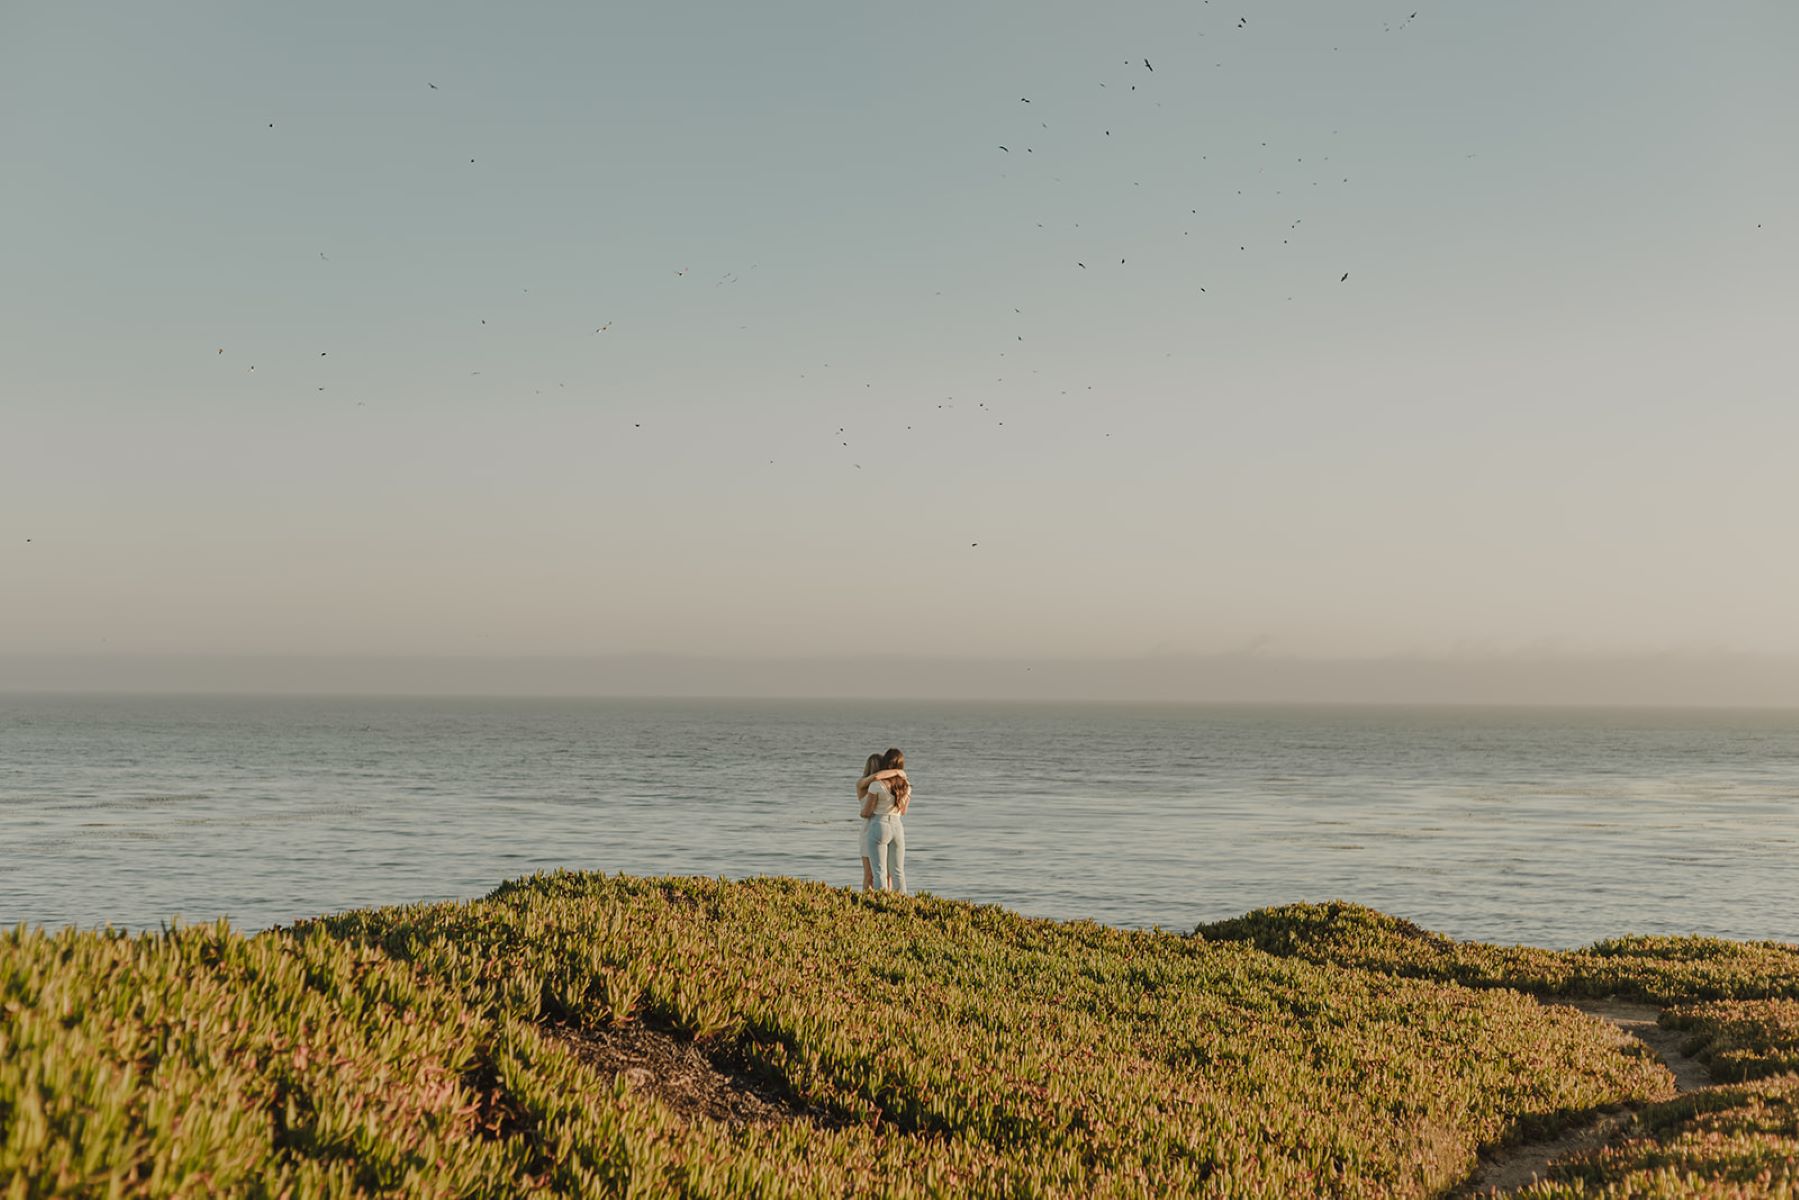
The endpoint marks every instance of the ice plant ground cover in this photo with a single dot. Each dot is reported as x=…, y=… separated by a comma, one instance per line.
x=1659, y=970
x=1738, y=1003
x=896, y=1047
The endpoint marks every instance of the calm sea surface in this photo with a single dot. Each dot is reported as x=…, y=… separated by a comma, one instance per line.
x=1552, y=827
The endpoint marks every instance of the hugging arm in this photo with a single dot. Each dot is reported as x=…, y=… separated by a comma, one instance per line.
x=862, y=783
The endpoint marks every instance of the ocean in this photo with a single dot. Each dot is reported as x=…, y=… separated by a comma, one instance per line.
x=1550, y=827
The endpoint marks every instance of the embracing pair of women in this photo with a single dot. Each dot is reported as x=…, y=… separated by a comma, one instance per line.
x=884, y=793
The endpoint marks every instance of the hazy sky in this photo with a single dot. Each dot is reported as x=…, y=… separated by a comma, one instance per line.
x=1552, y=408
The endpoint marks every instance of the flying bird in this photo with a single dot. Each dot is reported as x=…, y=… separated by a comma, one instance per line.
x=1152, y=70
x=431, y=85
x=1345, y=276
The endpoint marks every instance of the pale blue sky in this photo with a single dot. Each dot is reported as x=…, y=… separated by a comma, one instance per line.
x=1553, y=405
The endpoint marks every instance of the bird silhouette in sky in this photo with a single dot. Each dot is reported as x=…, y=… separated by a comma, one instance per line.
x=1092, y=225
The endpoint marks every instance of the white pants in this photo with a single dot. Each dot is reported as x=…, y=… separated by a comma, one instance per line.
x=882, y=835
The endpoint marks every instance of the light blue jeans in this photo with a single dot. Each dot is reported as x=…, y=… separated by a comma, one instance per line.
x=884, y=835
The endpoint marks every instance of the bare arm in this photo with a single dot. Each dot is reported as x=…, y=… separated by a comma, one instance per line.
x=862, y=783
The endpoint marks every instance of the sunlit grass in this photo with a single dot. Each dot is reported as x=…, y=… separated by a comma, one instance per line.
x=1726, y=1143
x=1741, y=1039
x=1659, y=970
x=1063, y=1056
x=943, y=1048
x=1739, y=1002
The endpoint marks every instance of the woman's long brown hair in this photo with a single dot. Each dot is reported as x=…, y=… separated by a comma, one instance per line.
x=895, y=760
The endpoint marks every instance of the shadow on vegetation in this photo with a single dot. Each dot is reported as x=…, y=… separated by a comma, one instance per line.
x=692, y=1083
x=497, y=1115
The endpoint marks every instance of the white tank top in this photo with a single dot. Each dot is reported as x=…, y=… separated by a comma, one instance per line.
x=883, y=798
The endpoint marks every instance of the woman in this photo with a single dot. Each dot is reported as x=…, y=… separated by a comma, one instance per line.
x=871, y=772
x=886, y=793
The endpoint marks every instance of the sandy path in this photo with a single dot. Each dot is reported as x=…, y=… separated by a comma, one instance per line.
x=1639, y=1021
x=1515, y=1166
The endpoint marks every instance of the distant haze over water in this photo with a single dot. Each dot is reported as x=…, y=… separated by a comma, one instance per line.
x=1544, y=826
x=1530, y=677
